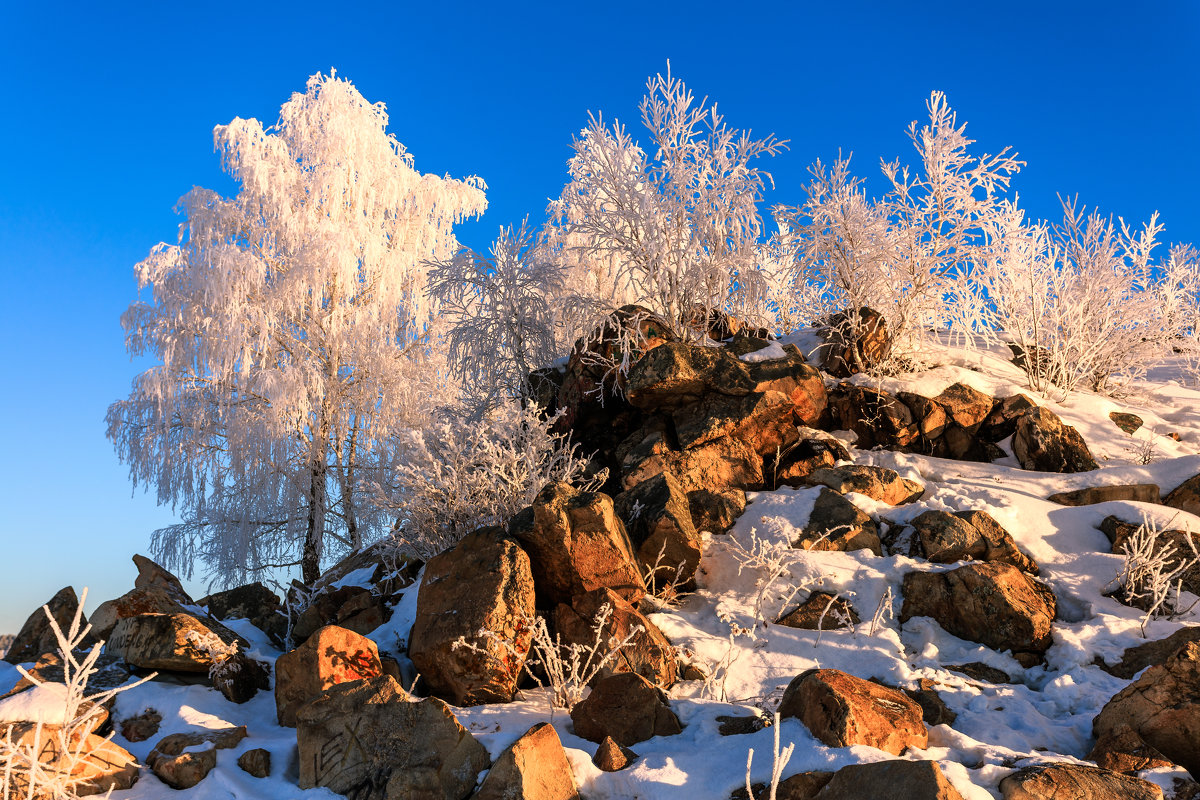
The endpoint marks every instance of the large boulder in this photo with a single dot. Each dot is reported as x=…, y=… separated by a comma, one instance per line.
x=254, y=602
x=1122, y=749
x=329, y=657
x=966, y=407
x=910, y=780
x=577, y=543
x=677, y=374
x=992, y=603
x=874, y=415
x=1075, y=781
x=483, y=584
x=648, y=653
x=36, y=637
x=105, y=766
x=171, y=642
x=627, y=708
x=1163, y=708
x=1152, y=653
x=841, y=710
x=836, y=524
x=534, y=767
x=368, y=739
x=802, y=385
x=1045, y=443
x=658, y=518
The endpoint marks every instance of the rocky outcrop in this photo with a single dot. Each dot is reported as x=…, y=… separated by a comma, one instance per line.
x=329, y=657
x=369, y=739
x=1162, y=707
x=1045, y=443
x=534, y=767
x=576, y=543
x=483, y=584
x=626, y=708
x=1076, y=781
x=994, y=604
x=648, y=652
x=836, y=524
x=841, y=710
x=36, y=636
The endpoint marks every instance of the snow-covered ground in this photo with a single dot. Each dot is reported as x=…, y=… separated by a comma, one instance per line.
x=1045, y=713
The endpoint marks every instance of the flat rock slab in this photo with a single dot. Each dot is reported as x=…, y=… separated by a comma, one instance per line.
x=836, y=524
x=1075, y=781
x=878, y=483
x=911, y=780
x=1135, y=492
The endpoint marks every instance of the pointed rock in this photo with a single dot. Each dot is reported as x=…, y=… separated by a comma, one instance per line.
x=612, y=757
x=36, y=637
x=534, y=767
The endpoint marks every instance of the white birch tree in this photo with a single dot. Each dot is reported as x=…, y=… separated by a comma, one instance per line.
x=291, y=327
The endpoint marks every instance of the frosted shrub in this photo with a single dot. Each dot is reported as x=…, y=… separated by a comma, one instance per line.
x=504, y=315
x=1152, y=573
x=568, y=668
x=779, y=760
x=464, y=473
x=902, y=254
x=22, y=773
x=1081, y=302
x=675, y=227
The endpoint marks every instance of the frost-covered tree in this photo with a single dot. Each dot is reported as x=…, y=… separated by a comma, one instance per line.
x=291, y=328
x=675, y=227
x=503, y=315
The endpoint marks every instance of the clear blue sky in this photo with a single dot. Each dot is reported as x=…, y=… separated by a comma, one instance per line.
x=108, y=113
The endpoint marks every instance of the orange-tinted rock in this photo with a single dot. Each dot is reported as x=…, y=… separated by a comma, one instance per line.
x=821, y=611
x=331, y=656
x=36, y=637
x=106, y=767
x=484, y=583
x=1162, y=707
x=910, y=780
x=1186, y=496
x=1121, y=749
x=992, y=603
x=1138, y=492
x=577, y=543
x=841, y=710
x=649, y=654
x=878, y=483
x=173, y=642
x=1045, y=443
x=836, y=524
x=627, y=708
x=612, y=757
x=534, y=767
x=1075, y=781
x=658, y=518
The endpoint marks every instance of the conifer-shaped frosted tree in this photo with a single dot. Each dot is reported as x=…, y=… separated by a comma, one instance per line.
x=291, y=327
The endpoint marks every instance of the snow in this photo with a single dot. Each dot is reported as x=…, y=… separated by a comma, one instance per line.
x=43, y=703
x=1044, y=714
x=772, y=351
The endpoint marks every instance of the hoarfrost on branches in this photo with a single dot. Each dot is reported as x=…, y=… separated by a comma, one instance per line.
x=464, y=473
x=293, y=333
x=675, y=227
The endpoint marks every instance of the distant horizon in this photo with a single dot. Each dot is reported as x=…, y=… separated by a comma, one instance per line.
x=110, y=122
